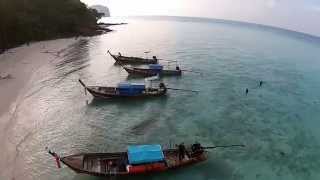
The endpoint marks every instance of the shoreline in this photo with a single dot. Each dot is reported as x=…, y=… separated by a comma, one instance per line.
x=111, y=24
x=21, y=64
x=99, y=29
x=83, y=32
x=17, y=65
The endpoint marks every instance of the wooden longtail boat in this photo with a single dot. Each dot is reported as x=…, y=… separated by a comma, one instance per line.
x=133, y=60
x=125, y=91
x=146, y=72
x=141, y=159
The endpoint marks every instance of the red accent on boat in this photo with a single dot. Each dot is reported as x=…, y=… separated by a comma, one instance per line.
x=57, y=160
x=139, y=169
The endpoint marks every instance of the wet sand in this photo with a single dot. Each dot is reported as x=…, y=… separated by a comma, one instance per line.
x=18, y=65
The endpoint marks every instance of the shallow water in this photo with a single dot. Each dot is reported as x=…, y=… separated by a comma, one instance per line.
x=278, y=122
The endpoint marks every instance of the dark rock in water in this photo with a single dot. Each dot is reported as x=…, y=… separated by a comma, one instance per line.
x=258, y=176
x=7, y=76
x=143, y=126
x=101, y=9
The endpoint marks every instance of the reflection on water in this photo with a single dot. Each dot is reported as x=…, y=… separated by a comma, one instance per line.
x=278, y=121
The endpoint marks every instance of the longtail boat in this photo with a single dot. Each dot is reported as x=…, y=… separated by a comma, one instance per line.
x=153, y=70
x=133, y=60
x=137, y=160
x=125, y=90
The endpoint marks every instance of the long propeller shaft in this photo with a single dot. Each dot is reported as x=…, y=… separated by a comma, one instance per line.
x=176, y=89
x=228, y=146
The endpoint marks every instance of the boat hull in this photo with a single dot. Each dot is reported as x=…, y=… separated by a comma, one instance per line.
x=133, y=60
x=103, y=92
x=149, y=72
x=114, y=94
x=97, y=164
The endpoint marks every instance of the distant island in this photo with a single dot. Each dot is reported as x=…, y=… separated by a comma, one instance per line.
x=101, y=9
x=27, y=21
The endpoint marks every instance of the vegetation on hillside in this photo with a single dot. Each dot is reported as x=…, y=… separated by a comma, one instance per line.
x=22, y=21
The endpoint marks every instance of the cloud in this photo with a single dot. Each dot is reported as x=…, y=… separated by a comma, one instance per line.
x=316, y=8
x=271, y=3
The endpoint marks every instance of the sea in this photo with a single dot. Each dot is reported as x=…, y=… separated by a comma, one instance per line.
x=277, y=122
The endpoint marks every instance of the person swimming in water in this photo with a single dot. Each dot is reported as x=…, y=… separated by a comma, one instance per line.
x=260, y=84
x=247, y=91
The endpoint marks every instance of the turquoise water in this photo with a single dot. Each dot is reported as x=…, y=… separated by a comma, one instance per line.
x=277, y=122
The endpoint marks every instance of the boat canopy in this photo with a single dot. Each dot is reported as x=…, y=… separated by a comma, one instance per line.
x=130, y=88
x=142, y=154
x=156, y=66
x=126, y=85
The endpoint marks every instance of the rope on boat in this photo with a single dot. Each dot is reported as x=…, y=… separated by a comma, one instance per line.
x=85, y=87
x=56, y=157
x=192, y=71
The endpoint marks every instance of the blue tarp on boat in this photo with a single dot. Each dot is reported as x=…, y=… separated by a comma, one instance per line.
x=124, y=85
x=145, y=154
x=156, y=68
x=130, y=89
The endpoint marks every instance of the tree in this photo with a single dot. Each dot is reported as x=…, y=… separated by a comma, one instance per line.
x=31, y=20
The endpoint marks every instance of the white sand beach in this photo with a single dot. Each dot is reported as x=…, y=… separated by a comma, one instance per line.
x=17, y=66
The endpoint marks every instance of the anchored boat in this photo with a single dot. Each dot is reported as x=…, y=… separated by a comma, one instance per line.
x=133, y=60
x=153, y=70
x=138, y=159
x=126, y=90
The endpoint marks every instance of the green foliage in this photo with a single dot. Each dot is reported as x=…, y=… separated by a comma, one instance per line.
x=31, y=20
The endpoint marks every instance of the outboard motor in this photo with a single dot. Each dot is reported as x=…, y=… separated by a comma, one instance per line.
x=163, y=86
x=197, y=148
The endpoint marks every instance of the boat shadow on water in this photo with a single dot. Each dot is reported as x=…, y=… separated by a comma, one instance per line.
x=185, y=173
x=135, y=77
x=127, y=102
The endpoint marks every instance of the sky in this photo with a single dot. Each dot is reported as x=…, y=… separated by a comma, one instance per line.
x=297, y=15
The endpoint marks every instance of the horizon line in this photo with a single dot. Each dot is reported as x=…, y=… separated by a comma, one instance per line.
x=316, y=37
